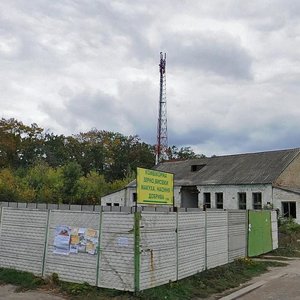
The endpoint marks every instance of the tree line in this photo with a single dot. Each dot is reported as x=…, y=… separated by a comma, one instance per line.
x=39, y=166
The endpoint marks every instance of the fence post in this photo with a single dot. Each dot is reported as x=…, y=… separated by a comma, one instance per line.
x=45, y=243
x=228, y=246
x=205, y=239
x=137, y=255
x=177, y=246
x=247, y=233
x=99, y=248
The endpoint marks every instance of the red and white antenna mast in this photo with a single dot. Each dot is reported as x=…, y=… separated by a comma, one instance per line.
x=162, y=133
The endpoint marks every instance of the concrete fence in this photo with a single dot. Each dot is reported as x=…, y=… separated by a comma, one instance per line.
x=135, y=251
x=96, y=208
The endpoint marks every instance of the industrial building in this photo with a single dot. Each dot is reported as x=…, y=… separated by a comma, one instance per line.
x=243, y=181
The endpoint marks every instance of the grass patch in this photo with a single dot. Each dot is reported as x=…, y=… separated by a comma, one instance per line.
x=211, y=281
x=286, y=251
x=85, y=291
x=25, y=280
x=200, y=285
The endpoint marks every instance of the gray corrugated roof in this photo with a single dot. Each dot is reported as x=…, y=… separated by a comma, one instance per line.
x=249, y=168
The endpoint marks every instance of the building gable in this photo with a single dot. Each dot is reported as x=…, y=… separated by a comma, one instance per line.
x=290, y=177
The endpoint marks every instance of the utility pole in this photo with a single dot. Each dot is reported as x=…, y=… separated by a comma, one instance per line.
x=162, y=132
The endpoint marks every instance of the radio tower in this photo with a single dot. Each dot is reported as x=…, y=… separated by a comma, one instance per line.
x=162, y=133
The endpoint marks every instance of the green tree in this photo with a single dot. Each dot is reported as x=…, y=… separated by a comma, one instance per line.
x=55, y=152
x=47, y=182
x=182, y=153
x=91, y=188
x=19, y=144
x=71, y=173
x=8, y=185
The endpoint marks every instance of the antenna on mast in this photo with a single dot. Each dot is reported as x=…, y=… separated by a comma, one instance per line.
x=162, y=133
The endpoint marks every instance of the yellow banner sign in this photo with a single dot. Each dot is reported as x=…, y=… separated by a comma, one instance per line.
x=154, y=187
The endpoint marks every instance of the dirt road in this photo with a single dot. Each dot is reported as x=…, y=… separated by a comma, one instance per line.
x=280, y=284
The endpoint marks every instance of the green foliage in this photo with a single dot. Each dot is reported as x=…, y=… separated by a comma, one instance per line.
x=288, y=226
x=91, y=188
x=20, y=144
x=183, y=153
x=38, y=166
x=198, y=286
x=71, y=173
x=47, y=182
x=24, y=280
x=289, y=236
x=55, y=278
x=76, y=288
x=8, y=184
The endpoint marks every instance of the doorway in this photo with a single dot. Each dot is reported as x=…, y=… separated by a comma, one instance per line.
x=189, y=196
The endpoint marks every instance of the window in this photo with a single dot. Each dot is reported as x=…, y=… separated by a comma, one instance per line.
x=206, y=200
x=116, y=204
x=256, y=198
x=242, y=200
x=289, y=209
x=108, y=204
x=195, y=168
x=219, y=200
x=134, y=197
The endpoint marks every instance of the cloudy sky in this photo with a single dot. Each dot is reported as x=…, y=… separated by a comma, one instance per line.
x=233, y=69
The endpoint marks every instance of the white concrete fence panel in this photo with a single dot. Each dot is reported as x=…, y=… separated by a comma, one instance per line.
x=79, y=267
x=116, y=265
x=191, y=243
x=217, y=238
x=22, y=239
x=237, y=234
x=134, y=251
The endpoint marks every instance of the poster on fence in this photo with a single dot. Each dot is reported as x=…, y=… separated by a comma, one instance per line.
x=62, y=240
x=75, y=240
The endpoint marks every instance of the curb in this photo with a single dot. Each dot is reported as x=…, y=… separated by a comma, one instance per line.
x=251, y=287
x=244, y=291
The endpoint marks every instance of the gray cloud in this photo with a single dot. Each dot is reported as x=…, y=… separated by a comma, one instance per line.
x=232, y=69
x=131, y=112
x=215, y=52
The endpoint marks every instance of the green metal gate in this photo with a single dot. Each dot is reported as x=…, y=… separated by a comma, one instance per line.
x=259, y=233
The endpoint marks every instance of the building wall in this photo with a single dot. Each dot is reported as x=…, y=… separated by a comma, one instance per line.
x=177, y=196
x=125, y=197
x=130, y=191
x=115, y=198
x=290, y=177
x=230, y=194
x=280, y=196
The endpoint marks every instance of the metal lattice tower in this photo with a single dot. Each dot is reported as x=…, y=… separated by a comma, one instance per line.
x=162, y=133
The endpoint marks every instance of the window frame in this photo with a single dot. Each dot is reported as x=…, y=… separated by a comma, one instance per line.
x=291, y=213
x=219, y=196
x=242, y=200
x=206, y=203
x=257, y=203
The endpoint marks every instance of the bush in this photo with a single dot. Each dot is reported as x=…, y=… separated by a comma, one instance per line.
x=288, y=226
